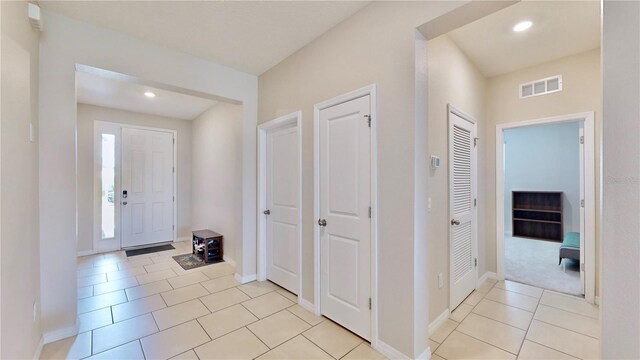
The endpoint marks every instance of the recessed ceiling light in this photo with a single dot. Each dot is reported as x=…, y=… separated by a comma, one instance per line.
x=522, y=26
x=149, y=94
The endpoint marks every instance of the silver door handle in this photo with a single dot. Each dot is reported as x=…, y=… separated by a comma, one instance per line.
x=267, y=212
x=124, y=203
x=322, y=222
x=455, y=222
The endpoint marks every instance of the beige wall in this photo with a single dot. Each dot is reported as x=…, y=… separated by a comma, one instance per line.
x=455, y=80
x=620, y=304
x=375, y=46
x=87, y=115
x=581, y=91
x=217, y=173
x=20, y=273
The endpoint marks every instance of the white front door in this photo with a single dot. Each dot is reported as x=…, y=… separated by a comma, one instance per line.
x=147, y=187
x=462, y=208
x=345, y=198
x=283, y=247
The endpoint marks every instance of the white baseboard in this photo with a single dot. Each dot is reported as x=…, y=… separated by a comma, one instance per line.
x=36, y=355
x=389, y=351
x=60, y=334
x=441, y=319
x=306, y=304
x=245, y=279
x=426, y=355
x=487, y=275
x=230, y=261
x=86, y=253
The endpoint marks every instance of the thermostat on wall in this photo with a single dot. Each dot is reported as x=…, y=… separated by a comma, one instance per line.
x=435, y=162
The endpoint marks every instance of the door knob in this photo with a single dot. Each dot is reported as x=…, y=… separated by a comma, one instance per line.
x=455, y=222
x=322, y=222
x=124, y=203
x=267, y=212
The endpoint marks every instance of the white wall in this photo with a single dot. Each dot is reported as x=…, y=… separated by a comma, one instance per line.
x=620, y=299
x=20, y=270
x=217, y=172
x=544, y=158
x=455, y=80
x=87, y=115
x=376, y=45
x=65, y=43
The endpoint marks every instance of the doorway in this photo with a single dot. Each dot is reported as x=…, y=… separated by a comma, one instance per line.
x=345, y=206
x=134, y=186
x=280, y=202
x=563, y=216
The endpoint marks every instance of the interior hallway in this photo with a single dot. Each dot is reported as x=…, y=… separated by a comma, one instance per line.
x=509, y=320
x=148, y=307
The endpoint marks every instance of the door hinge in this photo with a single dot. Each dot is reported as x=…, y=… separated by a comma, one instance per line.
x=369, y=212
x=581, y=139
x=581, y=203
x=368, y=120
x=475, y=202
x=475, y=262
x=475, y=141
x=369, y=303
x=582, y=267
x=174, y=199
x=173, y=227
x=174, y=141
x=174, y=169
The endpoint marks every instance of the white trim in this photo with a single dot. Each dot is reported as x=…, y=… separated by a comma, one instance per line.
x=120, y=126
x=597, y=300
x=590, y=192
x=245, y=279
x=306, y=304
x=229, y=260
x=437, y=322
x=86, y=253
x=295, y=119
x=55, y=335
x=390, y=352
x=36, y=355
x=487, y=275
x=451, y=109
x=426, y=354
x=364, y=91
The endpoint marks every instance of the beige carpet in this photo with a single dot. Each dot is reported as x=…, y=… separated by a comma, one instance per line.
x=535, y=262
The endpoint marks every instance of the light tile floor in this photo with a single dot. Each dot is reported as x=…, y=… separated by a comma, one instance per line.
x=509, y=320
x=148, y=307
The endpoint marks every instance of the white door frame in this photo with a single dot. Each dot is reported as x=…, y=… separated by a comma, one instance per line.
x=283, y=121
x=474, y=193
x=117, y=193
x=371, y=91
x=589, y=194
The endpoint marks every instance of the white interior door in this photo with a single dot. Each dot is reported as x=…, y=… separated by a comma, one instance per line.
x=147, y=187
x=462, y=208
x=582, y=212
x=283, y=247
x=345, y=198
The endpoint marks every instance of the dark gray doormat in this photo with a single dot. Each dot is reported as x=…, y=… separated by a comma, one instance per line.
x=191, y=261
x=149, y=250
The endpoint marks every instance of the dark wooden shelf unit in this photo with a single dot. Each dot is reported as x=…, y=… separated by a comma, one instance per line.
x=212, y=249
x=537, y=215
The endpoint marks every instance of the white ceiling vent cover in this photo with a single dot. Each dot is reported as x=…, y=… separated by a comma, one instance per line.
x=541, y=87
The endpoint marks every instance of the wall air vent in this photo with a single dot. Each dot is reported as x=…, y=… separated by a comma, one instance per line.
x=541, y=87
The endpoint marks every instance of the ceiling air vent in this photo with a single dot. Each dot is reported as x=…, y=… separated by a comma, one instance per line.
x=541, y=87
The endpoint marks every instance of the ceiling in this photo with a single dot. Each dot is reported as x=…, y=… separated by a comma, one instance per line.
x=560, y=28
x=103, y=91
x=251, y=36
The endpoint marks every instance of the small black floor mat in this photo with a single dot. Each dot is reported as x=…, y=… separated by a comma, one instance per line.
x=191, y=261
x=149, y=250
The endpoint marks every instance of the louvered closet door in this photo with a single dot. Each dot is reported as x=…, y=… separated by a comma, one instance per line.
x=462, y=209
